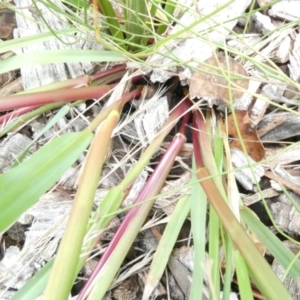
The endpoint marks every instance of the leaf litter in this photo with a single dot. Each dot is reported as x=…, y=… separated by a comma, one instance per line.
x=271, y=138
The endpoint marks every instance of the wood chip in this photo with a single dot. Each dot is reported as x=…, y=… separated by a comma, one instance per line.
x=244, y=176
x=282, y=156
x=10, y=148
x=261, y=23
x=42, y=74
x=149, y=122
x=287, y=126
x=287, y=181
x=285, y=214
x=270, y=126
x=282, y=54
x=294, y=65
x=267, y=193
x=288, y=10
x=246, y=100
x=181, y=274
x=12, y=87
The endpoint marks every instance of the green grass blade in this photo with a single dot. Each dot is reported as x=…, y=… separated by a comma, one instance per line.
x=169, y=8
x=35, y=285
x=100, y=219
x=243, y=277
x=14, y=44
x=25, y=183
x=198, y=218
x=58, y=56
x=274, y=245
x=166, y=245
x=135, y=14
x=214, y=221
x=60, y=114
x=228, y=268
x=214, y=245
x=112, y=21
x=64, y=270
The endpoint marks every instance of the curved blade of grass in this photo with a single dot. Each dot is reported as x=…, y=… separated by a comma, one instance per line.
x=64, y=270
x=273, y=244
x=166, y=245
x=25, y=183
x=13, y=44
x=58, y=56
x=100, y=78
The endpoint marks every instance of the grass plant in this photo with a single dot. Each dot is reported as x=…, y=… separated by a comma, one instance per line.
x=133, y=32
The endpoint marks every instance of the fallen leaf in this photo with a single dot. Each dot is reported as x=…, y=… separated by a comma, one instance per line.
x=210, y=81
x=249, y=135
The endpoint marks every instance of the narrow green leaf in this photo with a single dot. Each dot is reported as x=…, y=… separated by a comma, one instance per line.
x=135, y=14
x=32, y=39
x=243, y=277
x=198, y=218
x=60, y=114
x=166, y=245
x=274, y=245
x=64, y=270
x=112, y=20
x=227, y=277
x=25, y=183
x=58, y=56
x=35, y=285
x=169, y=8
x=100, y=219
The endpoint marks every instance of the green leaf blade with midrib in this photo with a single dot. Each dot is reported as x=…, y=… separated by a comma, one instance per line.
x=22, y=186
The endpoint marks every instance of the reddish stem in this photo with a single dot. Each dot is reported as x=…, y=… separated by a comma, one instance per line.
x=18, y=112
x=150, y=189
x=105, y=73
x=184, y=123
x=197, y=125
x=61, y=95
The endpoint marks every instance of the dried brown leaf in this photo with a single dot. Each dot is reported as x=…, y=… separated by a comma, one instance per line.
x=251, y=141
x=211, y=83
